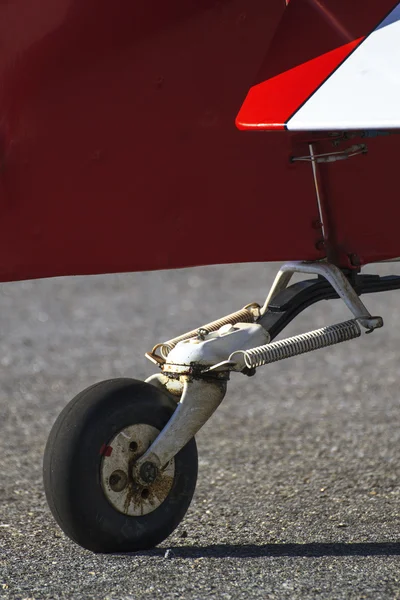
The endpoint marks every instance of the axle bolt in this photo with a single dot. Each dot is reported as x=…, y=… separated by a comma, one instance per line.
x=148, y=472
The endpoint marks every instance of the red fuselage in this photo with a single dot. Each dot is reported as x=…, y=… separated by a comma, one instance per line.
x=119, y=150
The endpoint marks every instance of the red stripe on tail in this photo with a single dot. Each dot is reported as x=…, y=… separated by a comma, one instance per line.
x=270, y=104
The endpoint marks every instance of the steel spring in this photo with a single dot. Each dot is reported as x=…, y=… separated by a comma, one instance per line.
x=300, y=344
x=245, y=315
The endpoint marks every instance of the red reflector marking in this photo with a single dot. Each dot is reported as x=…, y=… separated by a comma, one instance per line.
x=105, y=450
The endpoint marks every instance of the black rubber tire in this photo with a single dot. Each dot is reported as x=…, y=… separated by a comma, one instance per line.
x=72, y=459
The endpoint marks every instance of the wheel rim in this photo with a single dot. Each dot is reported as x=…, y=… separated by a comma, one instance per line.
x=120, y=488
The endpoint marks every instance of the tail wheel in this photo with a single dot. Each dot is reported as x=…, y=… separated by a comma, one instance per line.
x=88, y=475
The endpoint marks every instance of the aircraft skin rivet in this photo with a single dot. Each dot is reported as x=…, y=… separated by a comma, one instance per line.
x=355, y=260
x=317, y=224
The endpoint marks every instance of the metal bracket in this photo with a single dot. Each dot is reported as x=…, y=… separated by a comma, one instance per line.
x=338, y=281
x=329, y=157
x=200, y=398
x=293, y=300
x=248, y=314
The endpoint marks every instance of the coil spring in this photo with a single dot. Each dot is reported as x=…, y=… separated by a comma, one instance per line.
x=245, y=315
x=300, y=344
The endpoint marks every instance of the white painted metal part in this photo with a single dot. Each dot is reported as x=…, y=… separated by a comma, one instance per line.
x=248, y=314
x=337, y=280
x=173, y=387
x=200, y=399
x=364, y=92
x=217, y=346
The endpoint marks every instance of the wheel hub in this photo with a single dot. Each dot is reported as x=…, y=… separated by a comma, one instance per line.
x=120, y=487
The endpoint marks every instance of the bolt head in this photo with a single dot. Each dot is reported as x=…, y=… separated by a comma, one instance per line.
x=148, y=472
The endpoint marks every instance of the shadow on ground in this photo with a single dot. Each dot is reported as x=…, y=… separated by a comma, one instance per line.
x=277, y=550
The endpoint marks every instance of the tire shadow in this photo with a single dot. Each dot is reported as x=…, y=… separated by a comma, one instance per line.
x=315, y=550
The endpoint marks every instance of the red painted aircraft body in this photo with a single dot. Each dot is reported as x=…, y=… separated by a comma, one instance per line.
x=119, y=151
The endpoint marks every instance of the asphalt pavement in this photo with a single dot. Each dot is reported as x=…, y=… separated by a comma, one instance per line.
x=298, y=493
